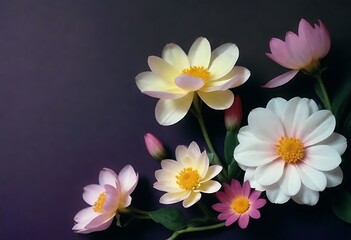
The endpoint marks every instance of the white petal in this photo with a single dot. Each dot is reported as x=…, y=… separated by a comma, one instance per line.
x=223, y=60
x=322, y=157
x=317, y=127
x=91, y=193
x=290, y=183
x=270, y=173
x=108, y=176
x=306, y=196
x=265, y=125
x=276, y=195
x=154, y=86
x=245, y=135
x=162, y=69
x=336, y=141
x=250, y=176
x=311, y=178
x=212, y=171
x=169, y=111
x=189, y=83
x=218, y=100
x=200, y=53
x=193, y=198
x=296, y=111
x=236, y=77
x=334, y=177
x=169, y=198
x=313, y=106
x=209, y=186
x=175, y=56
x=254, y=153
x=171, y=165
x=168, y=186
x=277, y=105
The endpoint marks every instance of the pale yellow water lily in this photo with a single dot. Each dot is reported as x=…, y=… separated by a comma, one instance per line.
x=177, y=77
x=185, y=178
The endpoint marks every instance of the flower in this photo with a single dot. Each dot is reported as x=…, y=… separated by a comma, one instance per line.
x=290, y=150
x=238, y=202
x=112, y=194
x=176, y=78
x=185, y=178
x=299, y=52
x=233, y=115
x=154, y=146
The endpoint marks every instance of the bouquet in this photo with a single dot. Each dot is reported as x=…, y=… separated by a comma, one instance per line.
x=290, y=150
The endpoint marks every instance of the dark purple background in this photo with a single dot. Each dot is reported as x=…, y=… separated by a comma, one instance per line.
x=69, y=105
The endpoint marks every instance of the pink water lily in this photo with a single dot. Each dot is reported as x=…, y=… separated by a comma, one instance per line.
x=106, y=198
x=301, y=51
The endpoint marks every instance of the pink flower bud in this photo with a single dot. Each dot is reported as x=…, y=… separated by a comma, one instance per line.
x=154, y=147
x=233, y=115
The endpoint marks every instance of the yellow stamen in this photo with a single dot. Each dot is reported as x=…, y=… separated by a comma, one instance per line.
x=290, y=149
x=240, y=205
x=188, y=179
x=99, y=204
x=198, y=72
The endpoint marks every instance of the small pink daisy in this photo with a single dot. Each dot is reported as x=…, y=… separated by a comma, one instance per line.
x=238, y=202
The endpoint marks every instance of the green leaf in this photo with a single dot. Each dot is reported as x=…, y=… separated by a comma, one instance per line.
x=170, y=218
x=341, y=99
x=233, y=169
x=210, y=156
x=230, y=143
x=341, y=204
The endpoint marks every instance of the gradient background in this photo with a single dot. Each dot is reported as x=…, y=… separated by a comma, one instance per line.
x=69, y=105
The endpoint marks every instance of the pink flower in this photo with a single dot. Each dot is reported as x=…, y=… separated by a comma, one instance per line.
x=234, y=114
x=238, y=202
x=154, y=146
x=299, y=52
x=111, y=195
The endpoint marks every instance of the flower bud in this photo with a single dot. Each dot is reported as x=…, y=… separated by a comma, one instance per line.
x=233, y=115
x=154, y=147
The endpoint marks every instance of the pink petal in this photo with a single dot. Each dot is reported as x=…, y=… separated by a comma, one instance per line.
x=298, y=50
x=254, y=213
x=107, y=176
x=189, y=83
x=279, y=54
x=281, y=79
x=92, y=192
x=128, y=179
x=244, y=221
x=232, y=219
x=259, y=203
x=112, y=198
x=221, y=207
x=254, y=195
x=246, y=189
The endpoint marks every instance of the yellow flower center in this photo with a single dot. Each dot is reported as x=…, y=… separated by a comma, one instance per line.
x=290, y=149
x=240, y=204
x=198, y=72
x=99, y=204
x=188, y=179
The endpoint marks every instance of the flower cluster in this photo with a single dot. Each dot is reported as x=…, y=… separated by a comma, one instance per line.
x=289, y=149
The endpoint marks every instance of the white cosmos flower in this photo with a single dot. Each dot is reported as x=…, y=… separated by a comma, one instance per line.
x=290, y=150
x=177, y=77
x=185, y=178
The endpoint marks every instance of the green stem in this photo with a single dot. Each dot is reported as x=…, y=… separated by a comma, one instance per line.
x=325, y=97
x=197, y=107
x=195, y=229
x=138, y=213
